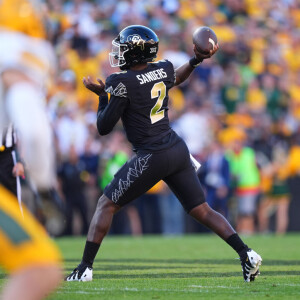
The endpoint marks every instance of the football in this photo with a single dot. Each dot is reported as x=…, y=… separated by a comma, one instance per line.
x=204, y=38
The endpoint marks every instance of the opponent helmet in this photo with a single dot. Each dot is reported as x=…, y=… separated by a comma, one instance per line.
x=135, y=44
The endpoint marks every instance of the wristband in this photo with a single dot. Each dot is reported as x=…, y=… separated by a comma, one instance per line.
x=195, y=62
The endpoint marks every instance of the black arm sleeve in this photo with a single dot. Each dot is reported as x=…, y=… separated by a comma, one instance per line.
x=109, y=113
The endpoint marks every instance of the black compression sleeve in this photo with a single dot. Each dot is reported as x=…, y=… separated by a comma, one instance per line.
x=109, y=113
x=103, y=101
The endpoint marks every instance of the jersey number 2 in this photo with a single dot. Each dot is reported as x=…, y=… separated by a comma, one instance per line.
x=158, y=90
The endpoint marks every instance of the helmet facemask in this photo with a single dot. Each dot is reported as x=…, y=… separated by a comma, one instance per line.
x=116, y=56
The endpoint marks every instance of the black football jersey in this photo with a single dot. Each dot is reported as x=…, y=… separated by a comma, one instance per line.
x=140, y=98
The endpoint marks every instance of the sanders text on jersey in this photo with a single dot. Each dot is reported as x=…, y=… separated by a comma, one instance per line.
x=152, y=76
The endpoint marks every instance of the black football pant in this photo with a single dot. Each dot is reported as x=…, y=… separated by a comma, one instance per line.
x=145, y=169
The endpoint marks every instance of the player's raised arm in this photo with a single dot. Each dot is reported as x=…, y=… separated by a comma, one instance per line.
x=183, y=72
x=205, y=46
x=111, y=106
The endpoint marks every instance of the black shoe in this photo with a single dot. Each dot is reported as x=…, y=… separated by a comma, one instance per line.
x=81, y=273
x=250, y=265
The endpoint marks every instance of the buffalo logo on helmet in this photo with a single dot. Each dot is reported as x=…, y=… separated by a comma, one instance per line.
x=137, y=40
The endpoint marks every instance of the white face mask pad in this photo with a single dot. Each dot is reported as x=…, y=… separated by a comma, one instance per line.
x=116, y=56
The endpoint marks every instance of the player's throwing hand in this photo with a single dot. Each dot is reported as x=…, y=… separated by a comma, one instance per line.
x=94, y=87
x=202, y=56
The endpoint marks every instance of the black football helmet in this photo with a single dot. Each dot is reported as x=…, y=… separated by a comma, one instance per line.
x=135, y=44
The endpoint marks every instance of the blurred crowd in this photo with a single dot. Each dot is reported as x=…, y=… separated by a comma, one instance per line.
x=239, y=112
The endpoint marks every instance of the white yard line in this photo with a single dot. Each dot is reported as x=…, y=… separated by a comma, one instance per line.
x=126, y=289
x=212, y=287
x=190, y=289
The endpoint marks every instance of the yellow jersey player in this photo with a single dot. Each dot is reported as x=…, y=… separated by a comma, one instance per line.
x=26, y=60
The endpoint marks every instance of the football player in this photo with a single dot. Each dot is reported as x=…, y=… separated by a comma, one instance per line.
x=139, y=96
x=26, y=251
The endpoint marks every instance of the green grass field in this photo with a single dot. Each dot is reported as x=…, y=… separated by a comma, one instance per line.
x=188, y=267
